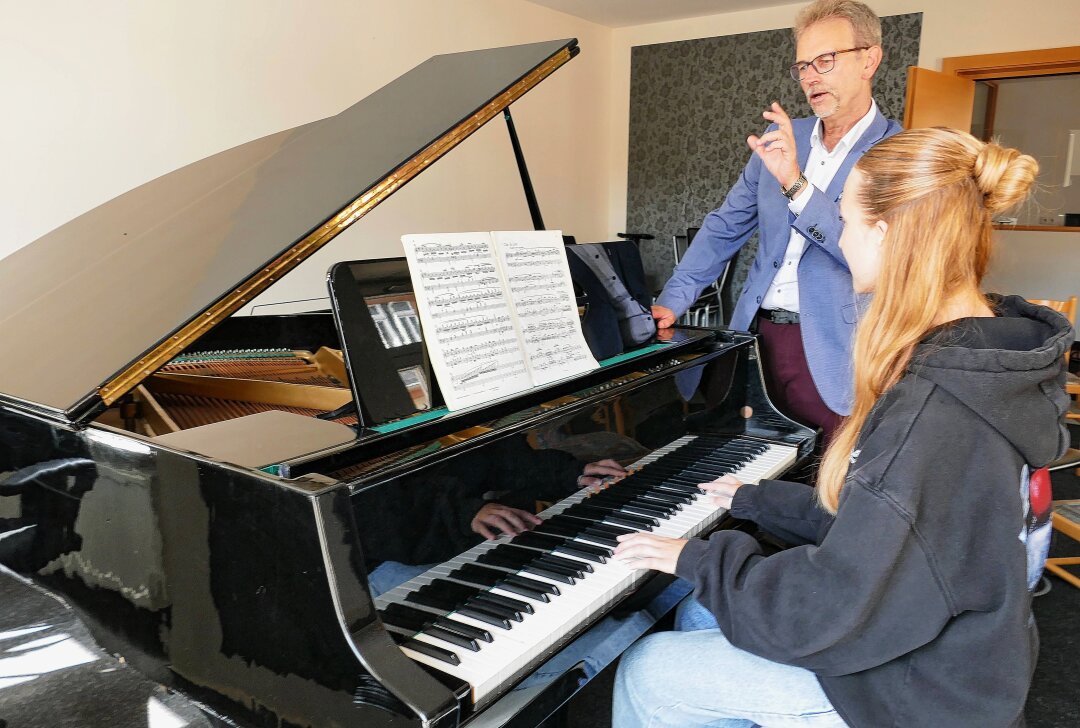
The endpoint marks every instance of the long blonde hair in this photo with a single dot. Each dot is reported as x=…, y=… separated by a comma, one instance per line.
x=937, y=189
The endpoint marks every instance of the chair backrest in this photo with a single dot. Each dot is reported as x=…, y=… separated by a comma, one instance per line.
x=1066, y=308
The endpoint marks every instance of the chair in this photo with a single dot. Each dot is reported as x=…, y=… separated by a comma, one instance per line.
x=1066, y=520
x=708, y=309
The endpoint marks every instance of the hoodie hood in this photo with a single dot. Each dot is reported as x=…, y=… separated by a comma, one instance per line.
x=1009, y=370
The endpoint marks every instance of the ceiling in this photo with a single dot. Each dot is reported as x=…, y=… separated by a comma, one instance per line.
x=618, y=13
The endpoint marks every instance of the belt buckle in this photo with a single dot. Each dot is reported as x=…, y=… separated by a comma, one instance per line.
x=783, y=316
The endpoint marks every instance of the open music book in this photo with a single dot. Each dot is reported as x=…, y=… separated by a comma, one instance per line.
x=498, y=312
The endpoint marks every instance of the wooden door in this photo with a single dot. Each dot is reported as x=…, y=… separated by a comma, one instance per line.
x=938, y=99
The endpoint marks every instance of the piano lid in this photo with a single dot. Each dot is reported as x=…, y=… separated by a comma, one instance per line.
x=100, y=303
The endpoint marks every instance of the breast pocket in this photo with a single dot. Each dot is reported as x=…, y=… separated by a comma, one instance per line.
x=850, y=313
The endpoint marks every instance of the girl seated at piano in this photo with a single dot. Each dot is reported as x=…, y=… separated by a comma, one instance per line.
x=907, y=601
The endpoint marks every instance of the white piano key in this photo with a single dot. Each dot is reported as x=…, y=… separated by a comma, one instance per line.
x=500, y=661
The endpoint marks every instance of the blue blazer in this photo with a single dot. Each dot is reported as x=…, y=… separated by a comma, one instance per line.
x=827, y=303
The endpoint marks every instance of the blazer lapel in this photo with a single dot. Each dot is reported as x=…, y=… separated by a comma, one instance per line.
x=872, y=135
x=802, y=143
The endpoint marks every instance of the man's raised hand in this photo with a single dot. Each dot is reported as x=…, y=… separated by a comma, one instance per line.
x=777, y=148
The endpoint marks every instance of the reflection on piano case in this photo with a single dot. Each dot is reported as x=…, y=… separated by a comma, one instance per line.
x=194, y=486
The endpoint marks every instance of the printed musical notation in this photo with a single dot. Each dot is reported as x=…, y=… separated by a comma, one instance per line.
x=542, y=295
x=502, y=310
x=465, y=312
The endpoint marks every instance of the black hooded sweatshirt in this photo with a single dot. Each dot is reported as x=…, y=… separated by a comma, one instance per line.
x=912, y=604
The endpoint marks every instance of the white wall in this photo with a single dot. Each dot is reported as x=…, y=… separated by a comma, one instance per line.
x=103, y=96
x=952, y=28
x=100, y=97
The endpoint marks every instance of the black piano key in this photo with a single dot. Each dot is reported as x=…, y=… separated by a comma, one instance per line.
x=604, y=533
x=658, y=494
x=405, y=617
x=601, y=552
x=614, y=516
x=540, y=586
x=432, y=651
x=586, y=552
x=453, y=638
x=609, y=529
x=478, y=575
x=567, y=571
x=524, y=591
x=486, y=605
x=677, y=460
x=443, y=595
x=600, y=537
x=509, y=603
x=550, y=573
x=538, y=540
x=501, y=560
x=697, y=470
x=475, y=579
x=631, y=504
x=553, y=544
x=568, y=563
x=556, y=529
x=688, y=486
x=453, y=596
x=432, y=599
x=485, y=616
x=461, y=628
x=513, y=554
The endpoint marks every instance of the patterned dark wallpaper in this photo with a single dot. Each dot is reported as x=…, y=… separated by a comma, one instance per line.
x=692, y=105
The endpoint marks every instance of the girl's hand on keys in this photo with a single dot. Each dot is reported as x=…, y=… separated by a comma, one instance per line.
x=722, y=490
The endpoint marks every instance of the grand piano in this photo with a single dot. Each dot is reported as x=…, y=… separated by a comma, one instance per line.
x=194, y=504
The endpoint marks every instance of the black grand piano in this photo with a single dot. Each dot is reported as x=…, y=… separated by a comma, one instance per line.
x=194, y=508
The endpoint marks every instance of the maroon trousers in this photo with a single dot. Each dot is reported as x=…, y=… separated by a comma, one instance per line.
x=788, y=380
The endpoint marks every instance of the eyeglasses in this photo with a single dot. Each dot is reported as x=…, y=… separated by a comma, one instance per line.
x=822, y=64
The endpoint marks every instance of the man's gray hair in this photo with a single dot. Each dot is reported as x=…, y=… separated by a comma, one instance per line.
x=864, y=21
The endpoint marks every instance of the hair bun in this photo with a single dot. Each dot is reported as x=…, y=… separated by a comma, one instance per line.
x=1004, y=176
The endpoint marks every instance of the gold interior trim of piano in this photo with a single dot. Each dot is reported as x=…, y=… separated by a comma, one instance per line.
x=129, y=378
x=209, y=387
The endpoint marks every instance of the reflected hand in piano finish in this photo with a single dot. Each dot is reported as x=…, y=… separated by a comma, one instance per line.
x=436, y=514
x=512, y=521
x=507, y=520
x=596, y=473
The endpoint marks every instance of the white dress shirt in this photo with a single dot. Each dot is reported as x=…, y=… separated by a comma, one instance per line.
x=821, y=167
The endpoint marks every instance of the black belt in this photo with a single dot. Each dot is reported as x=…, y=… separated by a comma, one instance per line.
x=779, y=315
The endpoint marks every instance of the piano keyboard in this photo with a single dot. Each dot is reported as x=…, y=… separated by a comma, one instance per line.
x=490, y=613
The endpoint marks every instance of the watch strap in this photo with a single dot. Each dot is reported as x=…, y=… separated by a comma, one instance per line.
x=797, y=185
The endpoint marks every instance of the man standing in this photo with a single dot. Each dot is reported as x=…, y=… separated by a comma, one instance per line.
x=798, y=294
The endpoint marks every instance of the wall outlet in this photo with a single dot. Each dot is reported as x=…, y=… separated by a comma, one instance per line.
x=1048, y=220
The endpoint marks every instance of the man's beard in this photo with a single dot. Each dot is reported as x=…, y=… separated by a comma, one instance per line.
x=825, y=108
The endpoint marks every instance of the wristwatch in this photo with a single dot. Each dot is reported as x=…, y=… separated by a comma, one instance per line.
x=797, y=185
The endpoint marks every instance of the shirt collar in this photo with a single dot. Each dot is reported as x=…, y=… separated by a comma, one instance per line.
x=848, y=139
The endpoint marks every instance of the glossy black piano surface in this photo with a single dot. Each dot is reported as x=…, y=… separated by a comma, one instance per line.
x=139, y=508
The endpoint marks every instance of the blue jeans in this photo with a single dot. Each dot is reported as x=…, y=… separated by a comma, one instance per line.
x=698, y=678
x=390, y=574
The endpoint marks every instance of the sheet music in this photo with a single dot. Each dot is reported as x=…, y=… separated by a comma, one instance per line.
x=542, y=294
x=466, y=317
